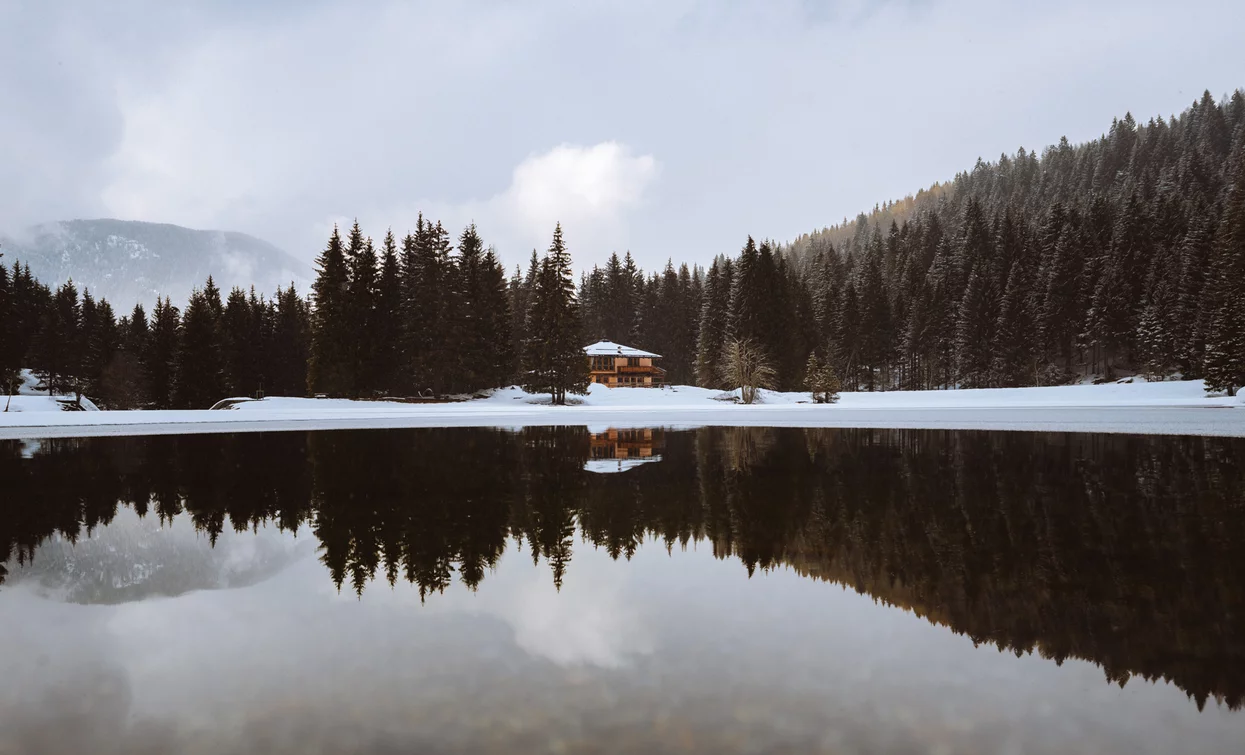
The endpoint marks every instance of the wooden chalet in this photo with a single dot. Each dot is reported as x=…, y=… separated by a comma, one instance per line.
x=619, y=366
x=618, y=450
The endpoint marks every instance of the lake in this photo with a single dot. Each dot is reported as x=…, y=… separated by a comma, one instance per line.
x=556, y=589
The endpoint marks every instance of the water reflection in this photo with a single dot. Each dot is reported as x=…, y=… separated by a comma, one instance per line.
x=1121, y=550
x=619, y=450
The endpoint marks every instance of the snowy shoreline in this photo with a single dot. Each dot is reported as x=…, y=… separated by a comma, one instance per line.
x=1165, y=408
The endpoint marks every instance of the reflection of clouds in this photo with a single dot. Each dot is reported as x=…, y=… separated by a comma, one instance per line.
x=134, y=558
x=596, y=618
x=628, y=653
x=589, y=622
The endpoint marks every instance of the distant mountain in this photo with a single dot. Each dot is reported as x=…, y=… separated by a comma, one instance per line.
x=134, y=558
x=127, y=261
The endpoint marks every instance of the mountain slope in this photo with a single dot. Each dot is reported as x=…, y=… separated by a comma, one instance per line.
x=126, y=261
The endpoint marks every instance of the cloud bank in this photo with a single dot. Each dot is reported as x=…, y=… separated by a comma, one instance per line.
x=673, y=128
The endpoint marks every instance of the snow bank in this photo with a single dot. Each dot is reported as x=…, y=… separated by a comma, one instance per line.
x=32, y=396
x=1137, y=407
x=21, y=403
x=1135, y=393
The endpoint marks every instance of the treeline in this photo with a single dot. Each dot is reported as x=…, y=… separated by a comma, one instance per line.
x=169, y=359
x=434, y=318
x=1122, y=550
x=1122, y=255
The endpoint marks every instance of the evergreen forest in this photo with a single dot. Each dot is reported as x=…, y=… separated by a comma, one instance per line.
x=1123, y=255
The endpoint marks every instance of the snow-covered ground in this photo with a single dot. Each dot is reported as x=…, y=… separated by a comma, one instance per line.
x=1176, y=407
x=33, y=397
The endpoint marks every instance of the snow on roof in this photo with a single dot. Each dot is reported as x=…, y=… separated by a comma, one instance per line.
x=609, y=348
x=614, y=466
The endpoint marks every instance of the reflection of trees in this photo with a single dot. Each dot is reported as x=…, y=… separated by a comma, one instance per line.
x=1123, y=550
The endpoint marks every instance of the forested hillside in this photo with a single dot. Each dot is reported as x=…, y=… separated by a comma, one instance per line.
x=1122, y=255
x=1125, y=254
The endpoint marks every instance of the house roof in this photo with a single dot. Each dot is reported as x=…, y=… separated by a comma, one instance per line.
x=609, y=348
x=614, y=466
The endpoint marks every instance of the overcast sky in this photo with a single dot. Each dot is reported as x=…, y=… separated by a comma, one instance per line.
x=673, y=128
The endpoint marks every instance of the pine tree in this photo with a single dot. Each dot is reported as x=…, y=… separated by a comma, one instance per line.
x=1225, y=340
x=291, y=339
x=1014, y=352
x=137, y=332
x=1057, y=323
x=428, y=306
x=1155, y=330
x=328, y=370
x=1190, y=319
x=820, y=379
x=86, y=378
x=126, y=377
x=714, y=311
x=467, y=338
x=60, y=343
x=876, y=339
x=747, y=296
x=388, y=318
x=200, y=380
x=32, y=300
x=520, y=294
x=102, y=341
x=1112, y=315
x=164, y=345
x=685, y=324
x=239, y=372
x=492, y=303
x=361, y=262
x=974, y=332
x=10, y=359
x=554, y=358
x=847, y=335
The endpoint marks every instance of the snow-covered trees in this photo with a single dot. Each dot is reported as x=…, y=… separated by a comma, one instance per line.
x=10, y=359
x=1225, y=340
x=820, y=379
x=1118, y=255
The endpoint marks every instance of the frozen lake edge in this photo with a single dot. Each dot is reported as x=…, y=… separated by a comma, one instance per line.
x=1210, y=420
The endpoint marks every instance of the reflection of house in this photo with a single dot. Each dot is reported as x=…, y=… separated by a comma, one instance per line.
x=616, y=365
x=619, y=450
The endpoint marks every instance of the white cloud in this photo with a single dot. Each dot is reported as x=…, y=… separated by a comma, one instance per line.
x=591, y=187
x=593, y=191
x=596, y=192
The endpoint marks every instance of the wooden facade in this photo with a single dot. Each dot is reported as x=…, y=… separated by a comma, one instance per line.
x=618, y=366
x=638, y=443
x=621, y=450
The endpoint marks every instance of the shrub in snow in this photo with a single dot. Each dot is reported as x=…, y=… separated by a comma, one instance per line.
x=744, y=364
x=820, y=379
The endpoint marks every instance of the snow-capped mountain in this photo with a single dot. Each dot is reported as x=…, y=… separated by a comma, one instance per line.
x=128, y=261
x=135, y=558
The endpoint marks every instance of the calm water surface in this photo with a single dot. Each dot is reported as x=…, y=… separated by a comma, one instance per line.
x=556, y=590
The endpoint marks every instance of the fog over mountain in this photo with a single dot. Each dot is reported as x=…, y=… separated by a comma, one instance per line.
x=126, y=261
